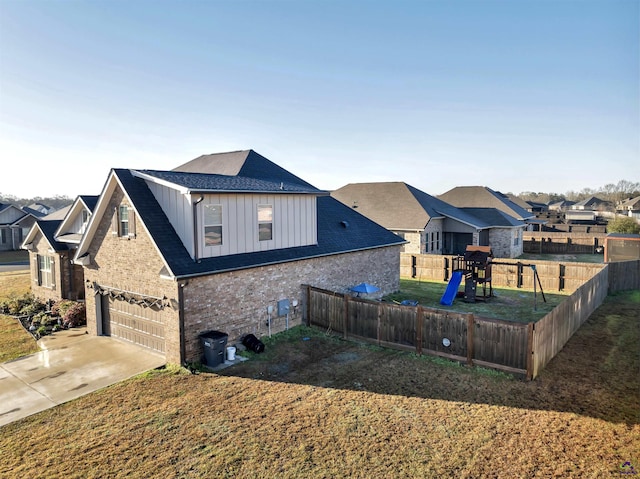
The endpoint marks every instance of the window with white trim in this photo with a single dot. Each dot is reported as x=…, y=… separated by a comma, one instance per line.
x=123, y=222
x=265, y=222
x=212, y=225
x=45, y=271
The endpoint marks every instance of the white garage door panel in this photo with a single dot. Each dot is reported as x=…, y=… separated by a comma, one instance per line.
x=134, y=323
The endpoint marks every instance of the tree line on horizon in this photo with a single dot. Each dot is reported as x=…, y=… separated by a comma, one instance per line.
x=611, y=192
x=614, y=193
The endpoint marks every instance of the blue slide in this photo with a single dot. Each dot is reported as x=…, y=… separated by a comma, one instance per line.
x=452, y=288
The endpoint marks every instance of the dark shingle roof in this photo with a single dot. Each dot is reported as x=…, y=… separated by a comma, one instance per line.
x=245, y=163
x=397, y=205
x=334, y=237
x=204, y=182
x=48, y=229
x=492, y=217
x=483, y=197
x=91, y=201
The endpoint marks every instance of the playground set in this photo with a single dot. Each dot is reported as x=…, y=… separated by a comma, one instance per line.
x=475, y=267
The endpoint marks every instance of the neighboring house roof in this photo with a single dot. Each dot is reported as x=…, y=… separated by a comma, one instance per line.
x=8, y=217
x=58, y=214
x=47, y=228
x=399, y=206
x=244, y=163
x=525, y=205
x=494, y=218
x=588, y=202
x=33, y=212
x=340, y=229
x=66, y=232
x=484, y=197
x=561, y=204
x=44, y=209
x=631, y=203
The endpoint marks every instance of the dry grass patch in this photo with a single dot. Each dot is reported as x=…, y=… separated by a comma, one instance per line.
x=14, y=340
x=316, y=406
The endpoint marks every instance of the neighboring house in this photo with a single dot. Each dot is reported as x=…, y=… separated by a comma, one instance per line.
x=591, y=204
x=536, y=207
x=15, y=223
x=561, y=205
x=169, y=255
x=44, y=210
x=52, y=243
x=630, y=207
x=516, y=219
x=430, y=225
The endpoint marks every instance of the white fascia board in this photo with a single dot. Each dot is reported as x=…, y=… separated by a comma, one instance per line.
x=153, y=179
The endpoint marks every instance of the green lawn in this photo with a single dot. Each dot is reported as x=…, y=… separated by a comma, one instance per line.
x=509, y=304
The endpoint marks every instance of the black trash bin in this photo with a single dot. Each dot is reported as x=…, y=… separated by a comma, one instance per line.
x=214, y=344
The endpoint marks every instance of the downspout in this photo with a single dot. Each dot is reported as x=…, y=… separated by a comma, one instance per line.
x=195, y=227
x=183, y=352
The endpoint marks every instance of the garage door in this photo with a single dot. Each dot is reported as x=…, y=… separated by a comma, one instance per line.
x=134, y=323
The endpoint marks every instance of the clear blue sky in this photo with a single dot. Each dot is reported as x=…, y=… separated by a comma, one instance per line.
x=515, y=95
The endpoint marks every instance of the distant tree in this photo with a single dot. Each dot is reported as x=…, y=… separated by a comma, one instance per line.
x=623, y=224
x=55, y=202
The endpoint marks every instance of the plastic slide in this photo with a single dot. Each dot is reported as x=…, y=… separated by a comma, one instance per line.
x=452, y=289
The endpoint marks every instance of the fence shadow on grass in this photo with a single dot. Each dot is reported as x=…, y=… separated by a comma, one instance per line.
x=595, y=375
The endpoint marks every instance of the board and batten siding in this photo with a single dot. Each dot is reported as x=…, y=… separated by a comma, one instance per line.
x=294, y=223
x=177, y=207
x=294, y=220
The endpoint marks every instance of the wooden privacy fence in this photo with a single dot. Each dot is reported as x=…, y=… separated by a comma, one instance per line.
x=554, y=275
x=509, y=346
x=546, y=242
x=553, y=331
x=463, y=337
x=624, y=276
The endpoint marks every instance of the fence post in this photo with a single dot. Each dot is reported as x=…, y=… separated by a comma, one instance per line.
x=419, y=313
x=345, y=316
x=308, y=305
x=519, y=277
x=530, y=330
x=379, y=318
x=470, y=328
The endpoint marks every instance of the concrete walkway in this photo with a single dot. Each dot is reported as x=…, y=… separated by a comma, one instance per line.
x=71, y=364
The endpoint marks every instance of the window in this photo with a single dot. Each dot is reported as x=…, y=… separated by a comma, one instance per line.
x=432, y=241
x=85, y=220
x=123, y=222
x=3, y=236
x=123, y=219
x=212, y=225
x=45, y=271
x=265, y=222
x=438, y=240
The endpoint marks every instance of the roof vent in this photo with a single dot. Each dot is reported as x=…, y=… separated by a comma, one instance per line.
x=344, y=223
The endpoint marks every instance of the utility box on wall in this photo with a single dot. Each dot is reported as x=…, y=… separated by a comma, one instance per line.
x=283, y=307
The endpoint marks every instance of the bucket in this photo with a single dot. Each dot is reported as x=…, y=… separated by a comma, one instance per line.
x=231, y=353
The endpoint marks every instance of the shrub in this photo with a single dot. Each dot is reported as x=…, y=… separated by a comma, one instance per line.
x=25, y=304
x=623, y=224
x=61, y=307
x=42, y=331
x=34, y=306
x=75, y=316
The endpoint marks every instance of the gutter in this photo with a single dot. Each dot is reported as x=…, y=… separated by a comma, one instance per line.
x=271, y=263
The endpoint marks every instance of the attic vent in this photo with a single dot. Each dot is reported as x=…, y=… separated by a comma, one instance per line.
x=344, y=223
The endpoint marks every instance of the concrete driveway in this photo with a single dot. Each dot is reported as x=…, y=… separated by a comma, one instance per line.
x=71, y=364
